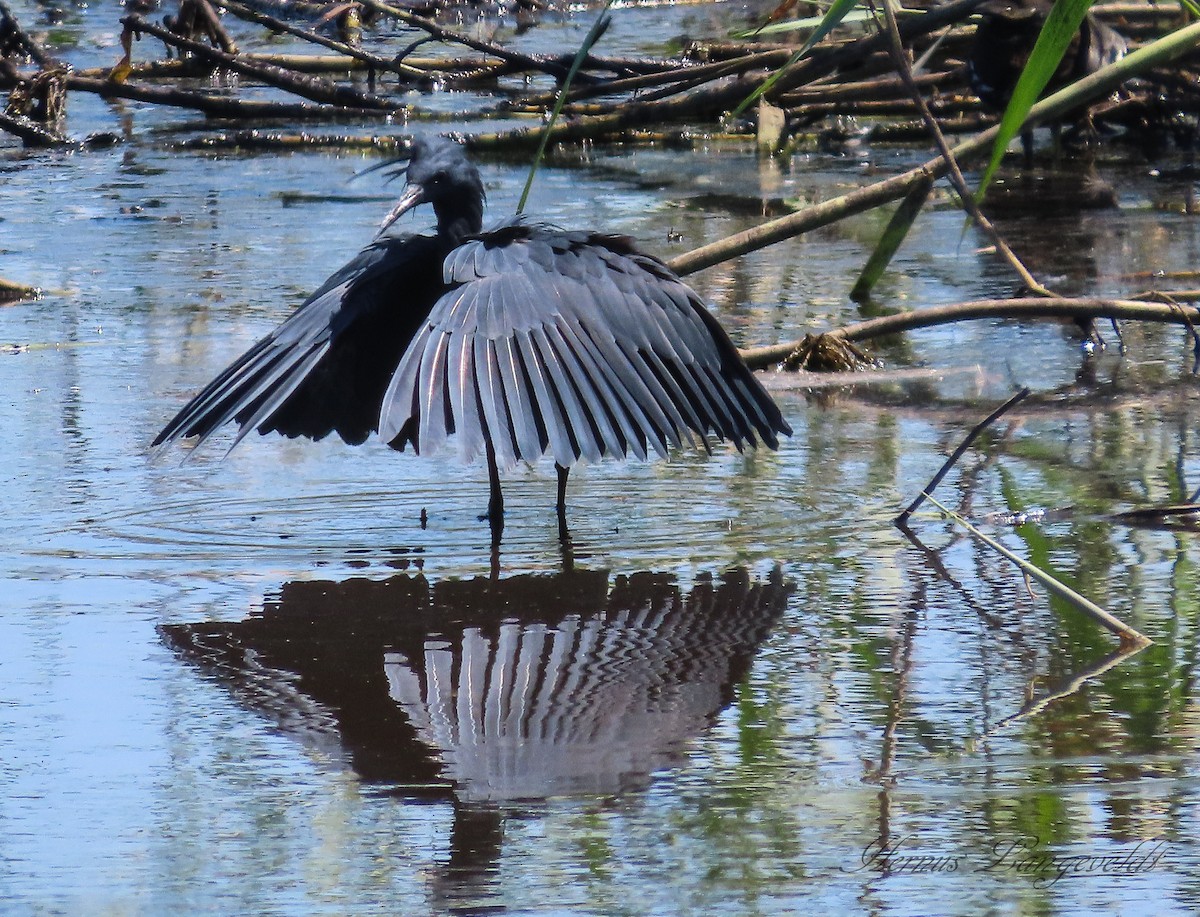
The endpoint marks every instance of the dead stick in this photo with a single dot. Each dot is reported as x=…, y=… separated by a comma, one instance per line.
x=554, y=68
x=220, y=106
x=1035, y=307
x=214, y=28
x=1020, y=396
x=1129, y=636
x=281, y=27
x=317, y=90
x=30, y=132
x=711, y=100
x=31, y=48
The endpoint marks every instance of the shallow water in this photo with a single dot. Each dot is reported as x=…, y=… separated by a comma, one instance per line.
x=259, y=685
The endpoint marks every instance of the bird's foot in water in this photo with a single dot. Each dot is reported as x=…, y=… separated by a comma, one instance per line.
x=494, y=517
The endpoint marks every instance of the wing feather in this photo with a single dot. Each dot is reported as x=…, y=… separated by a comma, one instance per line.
x=434, y=419
x=548, y=400
x=530, y=442
x=498, y=429
x=576, y=344
x=579, y=424
x=327, y=366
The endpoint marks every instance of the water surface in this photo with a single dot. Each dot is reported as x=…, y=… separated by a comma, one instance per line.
x=259, y=685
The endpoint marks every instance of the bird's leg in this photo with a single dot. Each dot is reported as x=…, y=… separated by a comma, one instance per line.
x=1027, y=148
x=494, y=568
x=495, y=510
x=561, y=506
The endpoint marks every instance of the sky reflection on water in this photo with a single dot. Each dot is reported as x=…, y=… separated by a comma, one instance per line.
x=238, y=686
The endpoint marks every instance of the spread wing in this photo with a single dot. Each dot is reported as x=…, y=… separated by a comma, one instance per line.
x=573, y=344
x=327, y=366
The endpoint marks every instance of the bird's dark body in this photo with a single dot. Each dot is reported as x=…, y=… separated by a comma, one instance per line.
x=517, y=341
x=1006, y=36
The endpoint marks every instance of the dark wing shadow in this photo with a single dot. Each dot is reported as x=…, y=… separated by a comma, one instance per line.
x=489, y=691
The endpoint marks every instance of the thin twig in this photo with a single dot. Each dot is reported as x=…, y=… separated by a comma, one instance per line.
x=925, y=494
x=1129, y=636
x=966, y=198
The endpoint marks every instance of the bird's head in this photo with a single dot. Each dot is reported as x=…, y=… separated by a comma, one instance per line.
x=440, y=173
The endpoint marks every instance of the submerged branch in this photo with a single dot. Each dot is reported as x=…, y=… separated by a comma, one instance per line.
x=312, y=88
x=352, y=53
x=1128, y=636
x=217, y=106
x=1032, y=307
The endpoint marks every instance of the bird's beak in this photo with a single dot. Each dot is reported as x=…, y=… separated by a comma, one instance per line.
x=413, y=195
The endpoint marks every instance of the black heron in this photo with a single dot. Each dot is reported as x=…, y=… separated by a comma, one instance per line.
x=518, y=341
x=1005, y=38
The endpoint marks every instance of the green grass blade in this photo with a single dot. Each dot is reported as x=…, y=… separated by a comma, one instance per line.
x=893, y=236
x=1191, y=6
x=598, y=28
x=1061, y=26
x=829, y=21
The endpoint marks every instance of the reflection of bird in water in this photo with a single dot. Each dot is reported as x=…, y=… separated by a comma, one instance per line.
x=518, y=341
x=439, y=690
x=1005, y=38
x=529, y=686
x=589, y=704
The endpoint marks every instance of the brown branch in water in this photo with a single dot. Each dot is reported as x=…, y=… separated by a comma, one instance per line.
x=280, y=27
x=878, y=89
x=619, y=122
x=19, y=37
x=966, y=198
x=1032, y=307
x=679, y=73
x=556, y=66
x=265, y=140
x=455, y=68
x=11, y=291
x=215, y=106
x=902, y=519
x=316, y=90
x=31, y=132
x=1079, y=93
x=805, y=113
x=530, y=62
x=197, y=17
x=718, y=95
